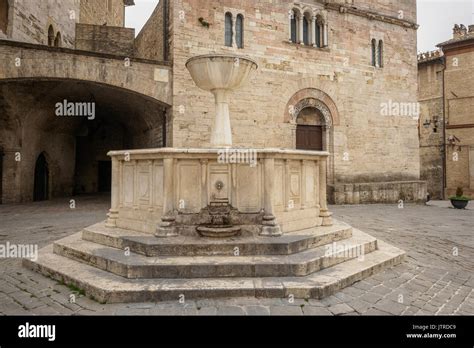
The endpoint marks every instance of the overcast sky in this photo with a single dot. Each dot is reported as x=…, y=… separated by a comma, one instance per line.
x=436, y=18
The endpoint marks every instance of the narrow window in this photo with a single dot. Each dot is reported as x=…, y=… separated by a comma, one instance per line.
x=58, y=40
x=374, y=52
x=239, y=31
x=228, y=29
x=294, y=27
x=380, y=54
x=4, y=15
x=318, y=35
x=305, y=31
x=50, y=36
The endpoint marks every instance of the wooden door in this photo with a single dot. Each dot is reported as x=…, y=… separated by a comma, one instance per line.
x=309, y=138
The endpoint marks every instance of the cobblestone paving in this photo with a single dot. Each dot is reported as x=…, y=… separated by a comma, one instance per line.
x=436, y=278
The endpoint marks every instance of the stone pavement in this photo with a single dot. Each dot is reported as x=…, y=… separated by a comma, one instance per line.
x=436, y=278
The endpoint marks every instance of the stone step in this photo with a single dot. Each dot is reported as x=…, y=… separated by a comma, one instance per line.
x=135, y=266
x=148, y=245
x=106, y=287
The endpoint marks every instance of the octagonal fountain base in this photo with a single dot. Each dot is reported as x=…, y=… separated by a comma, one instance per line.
x=162, y=202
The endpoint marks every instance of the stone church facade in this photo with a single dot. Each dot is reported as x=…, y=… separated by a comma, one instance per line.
x=333, y=75
x=446, y=92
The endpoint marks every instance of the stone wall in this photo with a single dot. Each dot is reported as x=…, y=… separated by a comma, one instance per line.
x=340, y=74
x=404, y=9
x=149, y=42
x=104, y=39
x=460, y=121
x=383, y=192
x=430, y=96
x=30, y=24
x=459, y=100
x=103, y=12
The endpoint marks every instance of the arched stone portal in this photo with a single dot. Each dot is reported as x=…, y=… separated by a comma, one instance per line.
x=313, y=114
x=312, y=128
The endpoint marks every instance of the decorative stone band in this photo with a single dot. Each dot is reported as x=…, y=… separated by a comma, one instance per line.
x=312, y=103
x=371, y=15
x=164, y=191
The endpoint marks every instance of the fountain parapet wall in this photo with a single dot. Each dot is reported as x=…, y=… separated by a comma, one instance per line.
x=167, y=192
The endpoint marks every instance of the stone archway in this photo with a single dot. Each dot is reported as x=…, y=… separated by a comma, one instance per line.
x=313, y=113
x=75, y=147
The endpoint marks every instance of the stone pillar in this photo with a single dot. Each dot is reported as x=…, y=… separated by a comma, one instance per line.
x=287, y=189
x=300, y=30
x=167, y=228
x=291, y=15
x=303, y=185
x=270, y=226
x=325, y=35
x=324, y=212
x=114, y=212
x=313, y=31
x=221, y=132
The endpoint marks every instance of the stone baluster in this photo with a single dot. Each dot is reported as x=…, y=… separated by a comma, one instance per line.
x=168, y=228
x=115, y=201
x=324, y=211
x=270, y=227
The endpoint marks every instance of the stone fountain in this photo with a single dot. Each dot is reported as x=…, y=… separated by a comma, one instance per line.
x=221, y=75
x=193, y=225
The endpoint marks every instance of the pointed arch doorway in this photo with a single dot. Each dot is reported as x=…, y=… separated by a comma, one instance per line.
x=41, y=186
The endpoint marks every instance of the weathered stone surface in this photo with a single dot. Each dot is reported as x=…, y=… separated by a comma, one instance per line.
x=107, y=287
x=425, y=265
x=135, y=266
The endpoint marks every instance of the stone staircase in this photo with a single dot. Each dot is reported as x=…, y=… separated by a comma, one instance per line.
x=117, y=265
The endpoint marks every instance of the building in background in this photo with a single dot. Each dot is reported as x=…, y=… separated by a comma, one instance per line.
x=446, y=92
x=334, y=75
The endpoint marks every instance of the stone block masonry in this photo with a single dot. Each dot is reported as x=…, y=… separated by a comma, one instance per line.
x=340, y=76
x=105, y=39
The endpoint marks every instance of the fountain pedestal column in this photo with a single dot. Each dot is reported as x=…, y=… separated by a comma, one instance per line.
x=167, y=227
x=221, y=132
x=270, y=227
x=324, y=212
x=114, y=212
x=221, y=75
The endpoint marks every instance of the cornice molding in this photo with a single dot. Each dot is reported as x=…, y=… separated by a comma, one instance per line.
x=372, y=15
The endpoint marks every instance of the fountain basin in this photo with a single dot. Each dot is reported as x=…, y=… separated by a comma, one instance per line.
x=169, y=192
x=216, y=71
x=221, y=75
x=215, y=231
